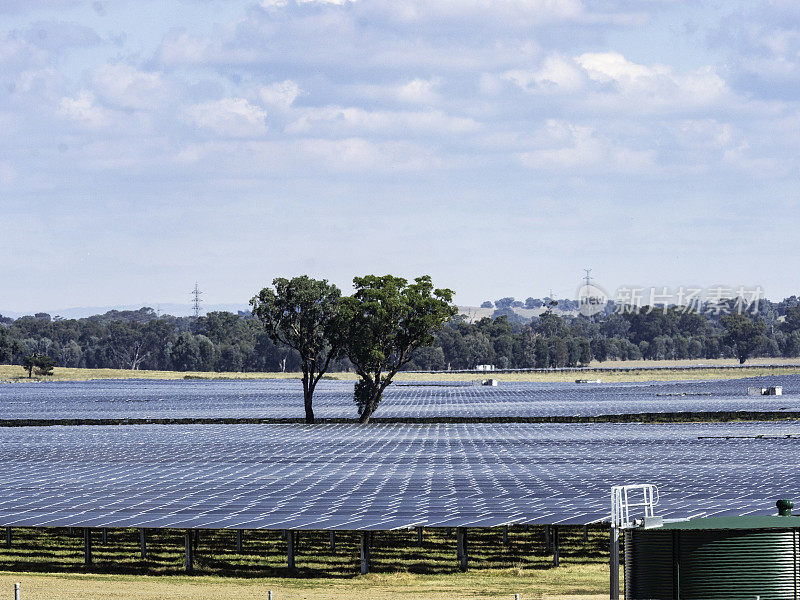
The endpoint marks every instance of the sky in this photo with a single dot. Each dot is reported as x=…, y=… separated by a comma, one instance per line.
x=501, y=146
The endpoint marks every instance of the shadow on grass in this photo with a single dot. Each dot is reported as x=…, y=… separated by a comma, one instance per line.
x=264, y=552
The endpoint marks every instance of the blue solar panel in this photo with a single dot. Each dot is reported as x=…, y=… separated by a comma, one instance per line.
x=383, y=476
x=283, y=399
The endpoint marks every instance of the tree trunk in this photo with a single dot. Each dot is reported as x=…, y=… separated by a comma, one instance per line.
x=307, y=398
x=370, y=406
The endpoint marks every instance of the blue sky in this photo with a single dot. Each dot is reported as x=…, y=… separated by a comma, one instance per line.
x=500, y=146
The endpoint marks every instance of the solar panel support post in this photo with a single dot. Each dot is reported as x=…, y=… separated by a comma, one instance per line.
x=87, y=546
x=555, y=546
x=461, y=545
x=189, y=543
x=239, y=541
x=196, y=539
x=614, y=564
x=8, y=537
x=419, y=535
x=505, y=535
x=333, y=541
x=143, y=542
x=365, y=539
x=105, y=535
x=290, y=549
x=547, y=544
x=585, y=533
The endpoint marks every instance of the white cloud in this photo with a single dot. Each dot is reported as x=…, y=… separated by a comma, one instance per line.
x=657, y=86
x=514, y=13
x=609, y=81
x=612, y=66
x=565, y=145
x=558, y=74
x=281, y=94
x=334, y=2
x=298, y=158
x=349, y=120
x=128, y=87
x=419, y=91
x=358, y=154
x=232, y=117
x=82, y=108
x=705, y=134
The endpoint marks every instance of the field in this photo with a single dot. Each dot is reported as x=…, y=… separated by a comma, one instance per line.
x=401, y=568
x=674, y=370
x=49, y=563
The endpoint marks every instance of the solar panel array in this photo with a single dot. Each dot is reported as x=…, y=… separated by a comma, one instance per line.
x=333, y=399
x=383, y=476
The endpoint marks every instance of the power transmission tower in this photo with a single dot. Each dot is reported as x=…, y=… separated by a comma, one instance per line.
x=588, y=277
x=196, y=302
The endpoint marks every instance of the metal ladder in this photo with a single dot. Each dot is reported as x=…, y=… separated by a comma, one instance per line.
x=639, y=496
x=645, y=496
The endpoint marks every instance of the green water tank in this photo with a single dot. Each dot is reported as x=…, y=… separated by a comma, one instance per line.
x=715, y=558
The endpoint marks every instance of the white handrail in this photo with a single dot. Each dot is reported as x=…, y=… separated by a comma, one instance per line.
x=621, y=502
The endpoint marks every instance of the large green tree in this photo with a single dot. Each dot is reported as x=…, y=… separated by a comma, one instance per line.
x=386, y=321
x=304, y=314
x=744, y=334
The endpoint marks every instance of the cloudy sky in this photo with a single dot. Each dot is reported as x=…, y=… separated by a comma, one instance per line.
x=499, y=145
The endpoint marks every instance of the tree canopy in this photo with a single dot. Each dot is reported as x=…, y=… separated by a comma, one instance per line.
x=387, y=320
x=744, y=334
x=304, y=314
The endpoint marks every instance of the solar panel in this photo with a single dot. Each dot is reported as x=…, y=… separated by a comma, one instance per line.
x=278, y=399
x=383, y=476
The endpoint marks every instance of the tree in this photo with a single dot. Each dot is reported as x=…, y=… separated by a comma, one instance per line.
x=127, y=344
x=387, y=320
x=304, y=314
x=504, y=302
x=743, y=334
x=550, y=325
x=487, y=304
x=185, y=353
x=44, y=365
x=532, y=302
x=792, y=322
x=28, y=363
x=41, y=362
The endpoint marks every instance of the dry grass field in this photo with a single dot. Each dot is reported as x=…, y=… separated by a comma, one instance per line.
x=477, y=585
x=633, y=371
x=49, y=565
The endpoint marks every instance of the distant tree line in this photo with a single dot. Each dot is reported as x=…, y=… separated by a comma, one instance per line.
x=558, y=339
x=218, y=341
x=222, y=341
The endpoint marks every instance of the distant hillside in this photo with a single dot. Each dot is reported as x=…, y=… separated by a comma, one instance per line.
x=476, y=313
x=176, y=310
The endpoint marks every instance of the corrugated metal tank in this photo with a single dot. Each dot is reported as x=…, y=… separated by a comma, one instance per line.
x=706, y=564
x=715, y=558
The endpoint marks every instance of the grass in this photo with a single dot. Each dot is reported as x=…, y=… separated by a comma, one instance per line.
x=49, y=564
x=642, y=371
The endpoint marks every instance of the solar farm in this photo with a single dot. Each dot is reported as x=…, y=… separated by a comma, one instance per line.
x=384, y=477
x=389, y=476
x=282, y=399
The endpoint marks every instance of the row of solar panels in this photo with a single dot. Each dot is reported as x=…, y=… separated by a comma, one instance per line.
x=278, y=399
x=383, y=476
